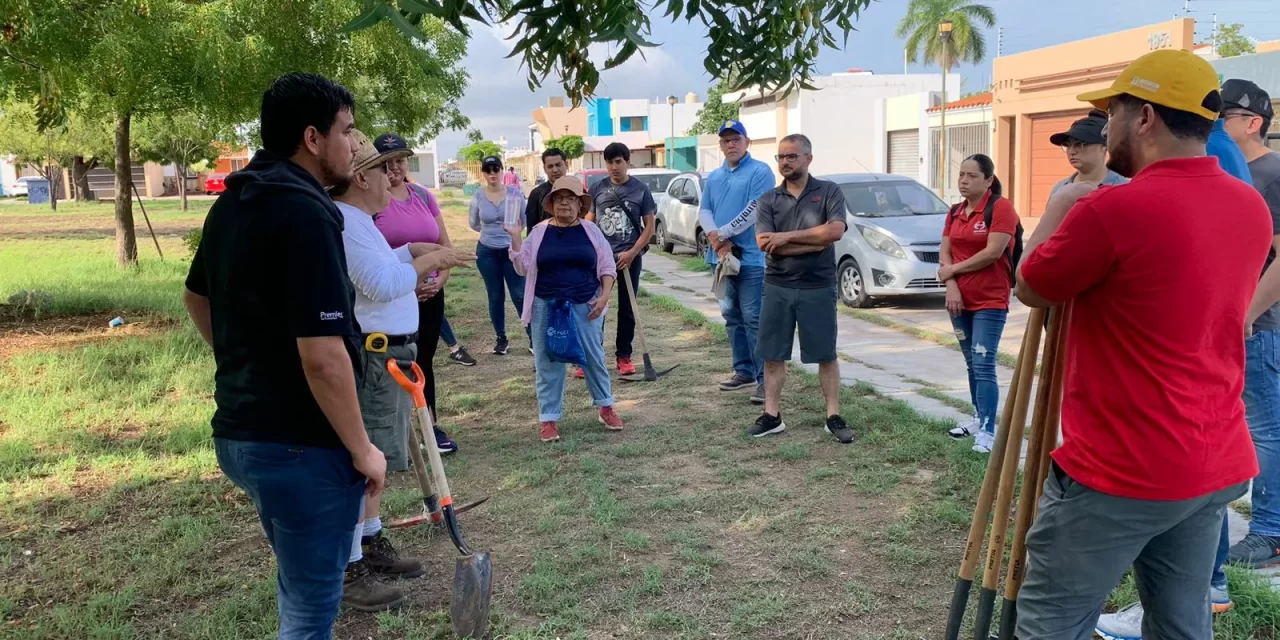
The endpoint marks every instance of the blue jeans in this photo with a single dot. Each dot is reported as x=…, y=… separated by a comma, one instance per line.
x=979, y=335
x=1262, y=409
x=1219, y=579
x=308, y=500
x=446, y=333
x=496, y=269
x=741, y=311
x=550, y=375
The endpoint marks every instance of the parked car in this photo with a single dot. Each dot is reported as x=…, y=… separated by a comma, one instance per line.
x=654, y=178
x=891, y=247
x=677, y=220
x=20, y=186
x=215, y=183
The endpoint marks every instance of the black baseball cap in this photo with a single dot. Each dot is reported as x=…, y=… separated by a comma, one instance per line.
x=389, y=142
x=1244, y=94
x=491, y=161
x=1087, y=130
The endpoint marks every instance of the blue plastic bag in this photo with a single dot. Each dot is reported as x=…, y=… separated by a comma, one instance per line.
x=561, y=341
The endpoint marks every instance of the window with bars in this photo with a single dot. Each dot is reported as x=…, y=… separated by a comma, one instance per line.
x=414, y=166
x=963, y=140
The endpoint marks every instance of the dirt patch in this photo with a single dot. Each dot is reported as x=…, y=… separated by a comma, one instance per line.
x=25, y=336
x=82, y=227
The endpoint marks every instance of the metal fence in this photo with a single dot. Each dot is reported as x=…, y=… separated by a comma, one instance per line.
x=963, y=140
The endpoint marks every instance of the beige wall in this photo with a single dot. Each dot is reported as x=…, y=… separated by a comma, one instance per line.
x=1047, y=81
x=957, y=117
x=902, y=113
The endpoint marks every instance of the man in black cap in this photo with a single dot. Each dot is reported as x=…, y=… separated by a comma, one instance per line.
x=1246, y=116
x=1086, y=149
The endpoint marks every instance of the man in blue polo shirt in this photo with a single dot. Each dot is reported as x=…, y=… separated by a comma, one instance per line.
x=728, y=214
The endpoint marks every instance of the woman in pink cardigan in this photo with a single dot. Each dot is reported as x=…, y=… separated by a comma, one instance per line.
x=566, y=258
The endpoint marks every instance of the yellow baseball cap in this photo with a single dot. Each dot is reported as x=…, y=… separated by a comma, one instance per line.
x=1170, y=78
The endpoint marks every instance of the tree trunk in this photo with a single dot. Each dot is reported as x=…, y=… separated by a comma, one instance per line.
x=126, y=239
x=182, y=185
x=80, y=177
x=52, y=175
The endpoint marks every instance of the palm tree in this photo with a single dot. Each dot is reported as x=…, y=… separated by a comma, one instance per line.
x=920, y=28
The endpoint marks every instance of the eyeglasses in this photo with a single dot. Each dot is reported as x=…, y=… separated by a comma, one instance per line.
x=562, y=197
x=1076, y=147
x=1238, y=114
x=788, y=156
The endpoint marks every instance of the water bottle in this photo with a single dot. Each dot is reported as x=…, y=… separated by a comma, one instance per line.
x=511, y=212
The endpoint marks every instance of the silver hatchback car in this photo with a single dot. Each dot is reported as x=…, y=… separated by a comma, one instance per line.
x=891, y=247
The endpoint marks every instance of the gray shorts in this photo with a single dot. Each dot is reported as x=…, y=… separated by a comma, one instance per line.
x=782, y=309
x=387, y=409
x=1083, y=541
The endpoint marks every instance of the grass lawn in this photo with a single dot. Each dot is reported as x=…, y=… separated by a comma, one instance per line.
x=115, y=522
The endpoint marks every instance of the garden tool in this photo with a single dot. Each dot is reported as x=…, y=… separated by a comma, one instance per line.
x=431, y=513
x=473, y=570
x=650, y=373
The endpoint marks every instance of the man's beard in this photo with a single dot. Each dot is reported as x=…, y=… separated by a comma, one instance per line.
x=331, y=175
x=1120, y=158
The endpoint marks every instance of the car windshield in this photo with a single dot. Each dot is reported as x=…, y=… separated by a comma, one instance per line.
x=657, y=182
x=891, y=199
x=594, y=178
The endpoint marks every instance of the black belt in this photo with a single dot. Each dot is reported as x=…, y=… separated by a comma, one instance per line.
x=378, y=342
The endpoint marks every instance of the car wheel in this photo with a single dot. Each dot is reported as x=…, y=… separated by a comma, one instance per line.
x=660, y=236
x=701, y=243
x=853, y=291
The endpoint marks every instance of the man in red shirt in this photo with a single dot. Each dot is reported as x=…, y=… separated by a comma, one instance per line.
x=1155, y=443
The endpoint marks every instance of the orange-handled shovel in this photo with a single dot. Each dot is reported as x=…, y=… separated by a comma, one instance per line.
x=473, y=571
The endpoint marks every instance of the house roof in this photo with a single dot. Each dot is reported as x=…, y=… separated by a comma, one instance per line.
x=979, y=100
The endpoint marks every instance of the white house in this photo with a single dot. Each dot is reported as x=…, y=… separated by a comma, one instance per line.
x=424, y=165
x=902, y=150
x=841, y=117
x=641, y=124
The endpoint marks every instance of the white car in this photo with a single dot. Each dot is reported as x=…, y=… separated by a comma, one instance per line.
x=453, y=177
x=20, y=186
x=677, y=220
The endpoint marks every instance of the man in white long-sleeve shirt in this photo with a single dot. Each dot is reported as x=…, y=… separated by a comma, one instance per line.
x=728, y=214
x=386, y=309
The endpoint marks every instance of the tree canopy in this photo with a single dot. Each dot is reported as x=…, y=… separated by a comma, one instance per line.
x=1229, y=42
x=477, y=151
x=967, y=18
x=130, y=59
x=571, y=145
x=714, y=110
x=771, y=43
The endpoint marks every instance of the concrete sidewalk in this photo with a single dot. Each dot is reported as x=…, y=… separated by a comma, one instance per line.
x=898, y=365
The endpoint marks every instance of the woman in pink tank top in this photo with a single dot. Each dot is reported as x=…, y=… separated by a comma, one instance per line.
x=413, y=215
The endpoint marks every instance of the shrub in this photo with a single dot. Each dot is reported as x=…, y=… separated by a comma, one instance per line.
x=192, y=239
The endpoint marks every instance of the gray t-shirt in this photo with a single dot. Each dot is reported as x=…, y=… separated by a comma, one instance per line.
x=620, y=211
x=820, y=202
x=1265, y=172
x=1112, y=178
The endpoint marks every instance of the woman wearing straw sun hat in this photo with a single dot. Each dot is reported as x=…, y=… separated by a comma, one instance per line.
x=566, y=259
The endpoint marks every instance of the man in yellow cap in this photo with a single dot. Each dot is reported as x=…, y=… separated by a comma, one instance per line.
x=1155, y=445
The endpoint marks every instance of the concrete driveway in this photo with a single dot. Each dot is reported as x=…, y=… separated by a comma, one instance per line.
x=929, y=313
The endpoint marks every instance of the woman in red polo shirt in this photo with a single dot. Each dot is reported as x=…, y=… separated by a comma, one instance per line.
x=977, y=267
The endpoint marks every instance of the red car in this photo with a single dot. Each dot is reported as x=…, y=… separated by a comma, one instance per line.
x=215, y=183
x=591, y=176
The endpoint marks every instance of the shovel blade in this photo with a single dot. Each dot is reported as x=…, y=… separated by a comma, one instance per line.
x=472, y=587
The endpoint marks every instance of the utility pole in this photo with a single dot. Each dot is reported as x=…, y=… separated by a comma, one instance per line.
x=999, y=41
x=944, y=32
x=1215, y=34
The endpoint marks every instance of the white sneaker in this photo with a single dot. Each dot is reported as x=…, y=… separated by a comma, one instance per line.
x=983, y=442
x=964, y=430
x=1125, y=624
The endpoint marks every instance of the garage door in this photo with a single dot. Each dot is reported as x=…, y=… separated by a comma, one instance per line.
x=1048, y=162
x=904, y=153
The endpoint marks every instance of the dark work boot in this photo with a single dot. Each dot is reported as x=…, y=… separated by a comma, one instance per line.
x=361, y=591
x=384, y=560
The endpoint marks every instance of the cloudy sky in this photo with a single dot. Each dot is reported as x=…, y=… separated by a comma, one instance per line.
x=499, y=102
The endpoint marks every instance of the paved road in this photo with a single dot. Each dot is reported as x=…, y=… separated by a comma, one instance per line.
x=928, y=312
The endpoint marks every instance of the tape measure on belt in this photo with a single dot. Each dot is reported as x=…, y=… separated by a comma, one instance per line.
x=376, y=342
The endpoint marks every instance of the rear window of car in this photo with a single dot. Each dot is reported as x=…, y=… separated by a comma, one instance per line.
x=657, y=182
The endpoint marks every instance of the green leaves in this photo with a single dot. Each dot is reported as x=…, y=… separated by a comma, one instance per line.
x=920, y=27
x=775, y=42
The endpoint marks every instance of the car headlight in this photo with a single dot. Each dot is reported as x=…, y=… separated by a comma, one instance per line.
x=882, y=243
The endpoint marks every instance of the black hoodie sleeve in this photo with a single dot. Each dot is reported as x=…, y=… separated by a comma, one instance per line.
x=321, y=300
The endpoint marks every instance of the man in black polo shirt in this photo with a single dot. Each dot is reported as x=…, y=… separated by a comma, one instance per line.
x=797, y=224
x=556, y=164
x=268, y=290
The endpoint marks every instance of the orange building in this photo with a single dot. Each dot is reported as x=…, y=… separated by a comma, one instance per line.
x=1035, y=97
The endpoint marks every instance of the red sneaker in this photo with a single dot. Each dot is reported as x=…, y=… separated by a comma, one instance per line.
x=609, y=418
x=549, y=432
x=625, y=367
x=579, y=373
